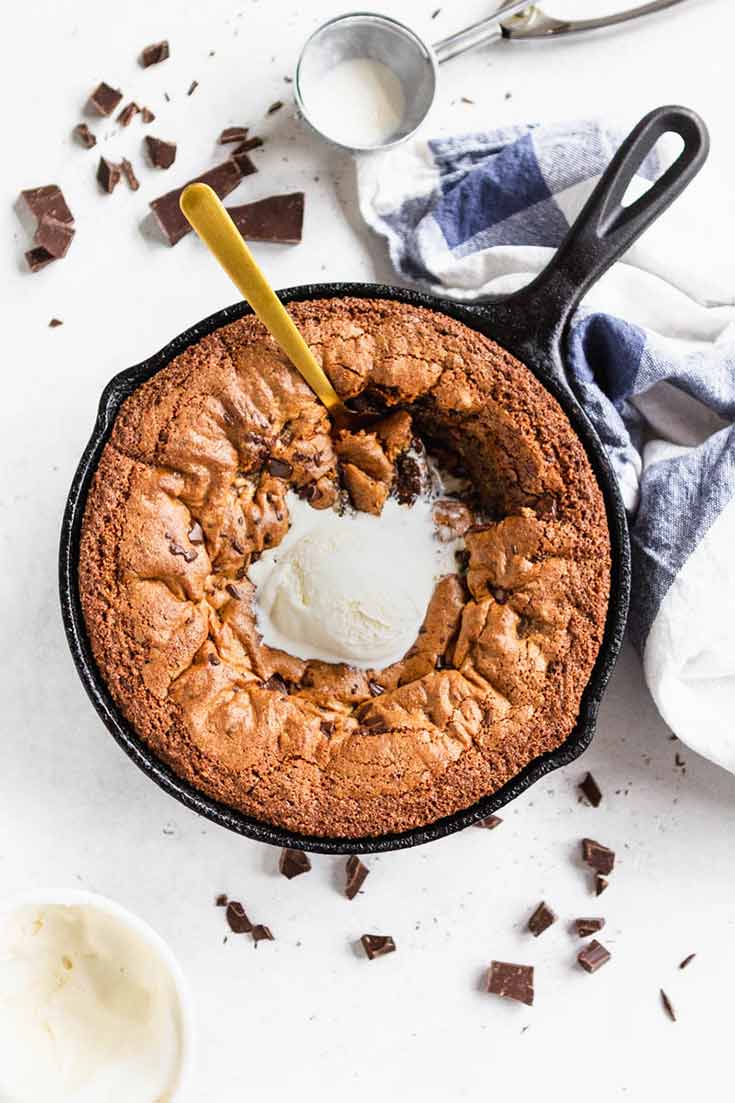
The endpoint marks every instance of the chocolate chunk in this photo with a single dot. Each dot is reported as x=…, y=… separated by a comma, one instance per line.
x=213, y=659
x=687, y=961
x=58, y=322
x=189, y=554
x=593, y=956
x=222, y=179
x=233, y=591
x=53, y=236
x=280, y=468
x=84, y=135
x=262, y=933
x=356, y=872
x=489, y=822
x=293, y=863
x=589, y=925
x=327, y=727
x=276, y=684
x=126, y=115
x=47, y=201
x=408, y=479
x=38, y=258
x=104, y=99
x=591, y=790
x=129, y=174
x=162, y=154
x=668, y=1006
x=221, y=901
x=375, y=688
x=196, y=534
x=600, y=857
x=541, y=919
x=153, y=54
x=515, y=982
x=279, y=218
x=243, y=162
x=147, y=115
x=498, y=595
x=376, y=945
x=275, y=107
x=248, y=145
x=193, y=87
x=108, y=175
x=601, y=884
x=232, y=134
x=435, y=13
x=237, y=919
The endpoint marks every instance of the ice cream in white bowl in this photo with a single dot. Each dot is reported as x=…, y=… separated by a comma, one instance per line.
x=93, y=1004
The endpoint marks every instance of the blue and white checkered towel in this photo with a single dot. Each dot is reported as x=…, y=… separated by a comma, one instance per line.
x=652, y=351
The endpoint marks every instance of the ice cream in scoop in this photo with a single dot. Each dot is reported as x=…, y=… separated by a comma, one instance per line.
x=350, y=588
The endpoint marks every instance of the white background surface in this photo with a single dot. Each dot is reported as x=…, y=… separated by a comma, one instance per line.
x=306, y=1016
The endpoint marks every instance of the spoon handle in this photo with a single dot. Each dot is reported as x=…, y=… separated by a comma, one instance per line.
x=210, y=220
x=478, y=33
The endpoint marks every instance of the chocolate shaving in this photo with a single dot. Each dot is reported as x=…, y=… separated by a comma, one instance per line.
x=222, y=179
x=58, y=322
x=155, y=53
x=108, y=175
x=104, y=99
x=237, y=919
x=490, y=822
x=541, y=920
x=601, y=884
x=221, y=901
x=593, y=956
x=53, y=236
x=281, y=469
x=84, y=135
x=261, y=933
x=193, y=87
x=356, y=872
x=668, y=1006
x=38, y=258
x=377, y=945
x=591, y=790
x=129, y=174
x=293, y=863
x=147, y=115
x=589, y=925
x=687, y=961
x=514, y=982
x=279, y=218
x=600, y=857
x=233, y=591
x=126, y=115
x=232, y=134
x=275, y=107
x=47, y=201
x=161, y=154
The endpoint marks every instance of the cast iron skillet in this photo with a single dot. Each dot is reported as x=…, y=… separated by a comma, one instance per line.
x=531, y=324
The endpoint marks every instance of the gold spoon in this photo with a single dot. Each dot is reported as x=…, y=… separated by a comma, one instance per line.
x=203, y=209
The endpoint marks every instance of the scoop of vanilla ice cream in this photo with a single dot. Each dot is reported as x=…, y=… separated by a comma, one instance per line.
x=350, y=588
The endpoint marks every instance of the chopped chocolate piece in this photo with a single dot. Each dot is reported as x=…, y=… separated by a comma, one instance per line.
x=213, y=660
x=185, y=553
x=601, y=884
x=281, y=469
x=222, y=179
x=435, y=13
x=233, y=134
x=679, y=761
x=408, y=479
x=600, y=857
x=593, y=956
x=279, y=218
x=293, y=862
x=58, y=322
x=275, y=107
x=515, y=982
x=277, y=684
x=589, y=925
x=356, y=872
x=591, y=790
x=490, y=822
x=668, y=1006
x=498, y=595
x=129, y=174
x=541, y=919
x=162, y=154
x=221, y=900
x=153, y=54
x=126, y=115
x=196, y=534
x=104, y=99
x=193, y=87
x=243, y=162
x=375, y=688
x=84, y=135
x=167, y=97
x=248, y=145
x=48, y=201
x=53, y=236
x=376, y=945
x=233, y=591
x=147, y=115
x=108, y=175
x=262, y=933
x=466, y=99
x=38, y=258
x=687, y=961
x=237, y=919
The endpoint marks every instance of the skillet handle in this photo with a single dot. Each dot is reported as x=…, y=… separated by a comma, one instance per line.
x=605, y=228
